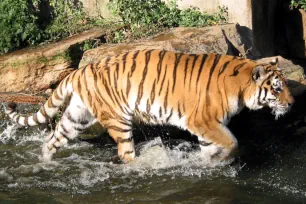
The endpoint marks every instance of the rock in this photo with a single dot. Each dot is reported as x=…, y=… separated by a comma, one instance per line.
x=22, y=98
x=226, y=39
x=293, y=72
x=37, y=69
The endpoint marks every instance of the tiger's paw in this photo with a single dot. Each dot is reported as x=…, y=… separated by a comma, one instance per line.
x=47, y=153
x=127, y=157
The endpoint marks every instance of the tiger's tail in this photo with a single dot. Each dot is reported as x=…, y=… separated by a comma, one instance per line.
x=48, y=110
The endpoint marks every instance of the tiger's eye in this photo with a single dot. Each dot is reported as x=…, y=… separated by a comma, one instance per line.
x=269, y=82
x=276, y=77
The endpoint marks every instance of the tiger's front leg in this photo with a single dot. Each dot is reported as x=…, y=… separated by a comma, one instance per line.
x=216, y=142
x=126, y=149
x=121, y=132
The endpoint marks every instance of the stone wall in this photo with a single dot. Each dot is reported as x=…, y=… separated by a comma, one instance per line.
x=239, y=10
x=97, y=8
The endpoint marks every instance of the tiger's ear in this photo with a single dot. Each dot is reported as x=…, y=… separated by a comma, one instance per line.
x=258, y=73
x=274, y=62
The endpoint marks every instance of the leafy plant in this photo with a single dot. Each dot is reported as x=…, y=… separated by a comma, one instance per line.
x=18, y=25
x=22, y=23
x=147, y=17
x=192, y=17
x=298, y=4
x=67, y=18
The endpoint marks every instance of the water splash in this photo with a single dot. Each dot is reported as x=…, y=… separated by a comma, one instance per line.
x=8, y=134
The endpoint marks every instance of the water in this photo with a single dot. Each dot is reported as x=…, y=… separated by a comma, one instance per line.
x=269, y=169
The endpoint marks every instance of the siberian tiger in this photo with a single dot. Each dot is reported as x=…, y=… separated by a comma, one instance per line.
x=198, y=93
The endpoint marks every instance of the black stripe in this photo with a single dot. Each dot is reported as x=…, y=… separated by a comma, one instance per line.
x=109, y=92
x=144, y=74
x=166, y=98
x=224, y=67
x=115, y=75
x=185, y=70
x=9, y=111
x=176, y=63
x=221, y=99
x=168, y=118
x=69, y=117
x=179, y=110
x=83, y=122
x=64, y=135
x=200, y=70
x=101, y=100
x=64, y=128
x=50, y=103
x=80, y=129
x=160, y=112
x=17, y=119
x=89, y=96
x=55, y=146
x=128, y=152
x=124, y=61
x=80, y=88
x=43, y=111
x=216, y=60
x=148, y=106
x=125, y=122
x=26, y=118
x=226, y=98
x=117, y=100
x=152, y=95
x=203, y=143
x=134, y=63
x=128, y=87
x=236, y=69
x=118, y=129
x=162, y=84
x=121, y=140
x=124, y=99
x=59, y=88
x=266, y=91
x=258, y=98
x=35, y=118
x=160, y=62
x=56, y=96
x=192, y=68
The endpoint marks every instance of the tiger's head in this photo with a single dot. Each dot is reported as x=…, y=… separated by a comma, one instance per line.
x=270, y=89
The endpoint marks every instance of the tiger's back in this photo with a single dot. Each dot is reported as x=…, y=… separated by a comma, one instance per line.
x=199, y=93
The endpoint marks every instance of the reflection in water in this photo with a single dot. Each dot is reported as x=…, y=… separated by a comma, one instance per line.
x=84, y=173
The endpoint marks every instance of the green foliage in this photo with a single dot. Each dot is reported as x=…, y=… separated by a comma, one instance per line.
x=18, y=25
x=22, y=23
x=147, y=17
x=298, y=4
x=145, y=12
x=67, y=18
x=90, y=44
x=192, y=17
x=31, y=22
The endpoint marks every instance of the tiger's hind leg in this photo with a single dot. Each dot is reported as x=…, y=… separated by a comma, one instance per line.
x=75, y=119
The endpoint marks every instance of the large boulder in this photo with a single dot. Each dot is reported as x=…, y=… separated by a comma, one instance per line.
x=228, y=39
x=36, y=69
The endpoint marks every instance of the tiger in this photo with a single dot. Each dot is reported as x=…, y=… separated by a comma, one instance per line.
x=199, y=93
